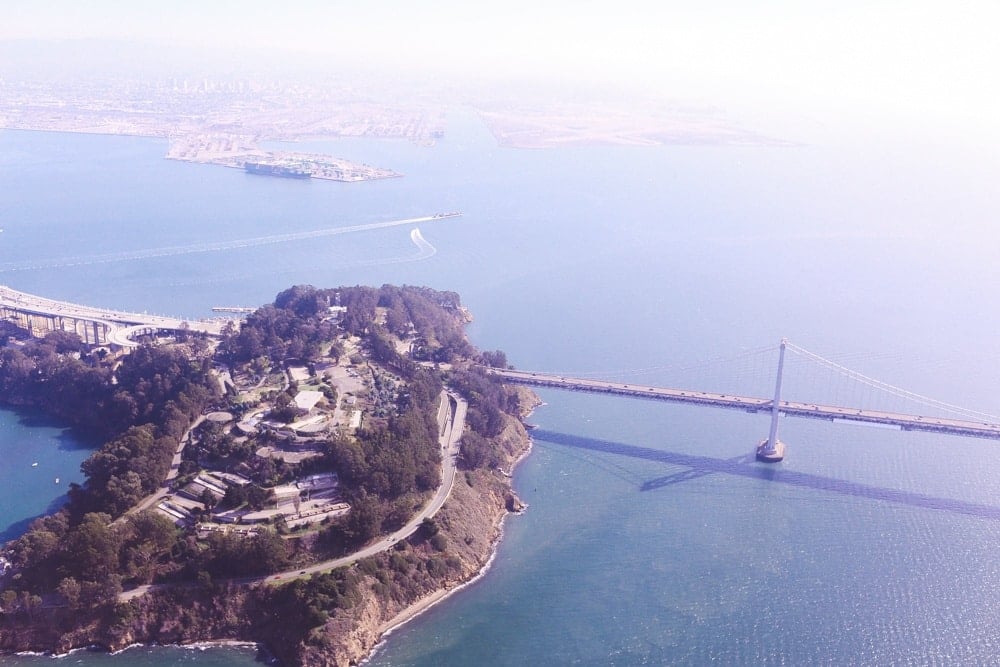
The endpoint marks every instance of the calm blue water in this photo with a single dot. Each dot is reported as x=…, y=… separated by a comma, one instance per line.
x=650, y=538
x=38, y=461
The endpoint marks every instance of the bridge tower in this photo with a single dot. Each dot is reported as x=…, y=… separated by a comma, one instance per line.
x=772, y=449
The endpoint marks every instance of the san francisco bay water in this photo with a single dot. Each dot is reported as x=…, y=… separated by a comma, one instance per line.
x=651, y=536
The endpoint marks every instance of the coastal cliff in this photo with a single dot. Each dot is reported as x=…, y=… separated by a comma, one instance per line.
x=471, y=523
x=388, y=588
x=409, y=438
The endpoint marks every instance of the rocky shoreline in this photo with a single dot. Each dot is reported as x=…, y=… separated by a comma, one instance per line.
x=475, y=510
x=471, y=522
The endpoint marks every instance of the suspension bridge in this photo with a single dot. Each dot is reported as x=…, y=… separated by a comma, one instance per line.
x=968, y=423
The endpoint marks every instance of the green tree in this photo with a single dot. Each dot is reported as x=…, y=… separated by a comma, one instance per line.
x=90, y=551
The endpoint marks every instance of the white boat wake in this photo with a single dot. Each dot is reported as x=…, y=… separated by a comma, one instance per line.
x=426, y=249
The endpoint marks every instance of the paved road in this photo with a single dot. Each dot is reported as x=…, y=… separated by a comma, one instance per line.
x=449, y=440
x=905, y=422
x=121, y=325
x=159, y=494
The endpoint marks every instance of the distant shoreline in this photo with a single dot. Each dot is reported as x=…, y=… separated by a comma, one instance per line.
x=519, y=130
x=320, y=167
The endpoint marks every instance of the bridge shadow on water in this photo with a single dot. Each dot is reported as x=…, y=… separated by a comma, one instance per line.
x=747, y=466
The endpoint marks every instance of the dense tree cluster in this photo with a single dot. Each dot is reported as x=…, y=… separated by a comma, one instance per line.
x=386, y=464
x=306, y=603
x=400, y=457
x=360, y=303
x=493, y=358
x=295, y=326
x=215, y=445
x=488, y=400
x=159, y=385
x=162, y=386
x=158, y=394
x=144, y=408
x=124, y=471
x=299, y=323
x=49, y=375
x=229, y=554
x=140, y=410
x=89, y=562
x=435, y=317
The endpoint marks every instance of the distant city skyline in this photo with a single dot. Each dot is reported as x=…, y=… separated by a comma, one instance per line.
x=887, y=57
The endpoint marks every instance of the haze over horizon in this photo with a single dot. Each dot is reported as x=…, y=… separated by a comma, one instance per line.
x=887, y=59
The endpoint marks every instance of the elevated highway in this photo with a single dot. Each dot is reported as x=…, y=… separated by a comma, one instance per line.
x=905, y=422
x=98, y=326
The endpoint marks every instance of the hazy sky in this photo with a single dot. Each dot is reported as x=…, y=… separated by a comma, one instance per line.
x=939, y=57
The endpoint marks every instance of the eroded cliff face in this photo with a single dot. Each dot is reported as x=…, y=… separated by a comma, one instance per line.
x=471, y=523
x=469, y=526
x=180, y=615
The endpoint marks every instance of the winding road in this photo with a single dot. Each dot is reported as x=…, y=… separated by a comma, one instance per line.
x=449, y=440
x=175, y=465
x=451, y=435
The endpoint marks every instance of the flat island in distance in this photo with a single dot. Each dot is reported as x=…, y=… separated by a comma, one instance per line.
x=223, y=119
x=242, y=153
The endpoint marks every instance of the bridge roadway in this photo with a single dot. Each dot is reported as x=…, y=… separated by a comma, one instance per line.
x=751, y=404
x=121, y=326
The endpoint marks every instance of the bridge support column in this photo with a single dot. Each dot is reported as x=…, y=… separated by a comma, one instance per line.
x=772, y=450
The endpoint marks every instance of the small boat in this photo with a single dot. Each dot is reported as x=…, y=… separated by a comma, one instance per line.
x=35, y=464
x=57, y=480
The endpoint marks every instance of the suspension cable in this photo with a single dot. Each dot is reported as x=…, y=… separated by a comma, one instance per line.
x=891, y=389
x=676, y=367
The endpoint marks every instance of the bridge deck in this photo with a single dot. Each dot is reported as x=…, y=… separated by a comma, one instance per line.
x=121, y=325
x=752, y=404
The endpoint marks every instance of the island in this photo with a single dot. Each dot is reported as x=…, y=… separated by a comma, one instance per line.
x=243, y=153
x=319, y=473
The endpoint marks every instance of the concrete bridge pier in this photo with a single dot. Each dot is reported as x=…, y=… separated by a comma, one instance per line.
x=772, y=450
